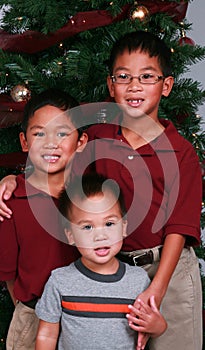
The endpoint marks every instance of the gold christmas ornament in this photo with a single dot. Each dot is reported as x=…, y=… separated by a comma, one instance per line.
x=20, y=93
x=139, y=12
x=184, y=40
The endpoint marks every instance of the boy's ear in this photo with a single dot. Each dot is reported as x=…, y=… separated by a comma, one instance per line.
x=110, y=86
x=167, y=86
x=124, y=229
x=23, y=141
x=82, y=142
x=69, y=236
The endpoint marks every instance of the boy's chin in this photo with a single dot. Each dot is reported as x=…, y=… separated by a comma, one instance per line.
x=130, y=112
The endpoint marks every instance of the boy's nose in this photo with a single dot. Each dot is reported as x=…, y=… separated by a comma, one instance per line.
x=51, y=141
x=51, y=145
x=100, y=234
x=135, y=84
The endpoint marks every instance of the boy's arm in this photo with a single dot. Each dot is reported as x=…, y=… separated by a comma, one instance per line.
x=47, y=335
x=10, y=287
x=7, y=186
x=172, y=248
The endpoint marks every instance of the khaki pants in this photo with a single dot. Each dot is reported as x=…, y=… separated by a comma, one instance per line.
x=182, y=307
x=23, y=329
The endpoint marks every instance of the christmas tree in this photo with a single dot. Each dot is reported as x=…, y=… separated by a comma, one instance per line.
x=66, y=44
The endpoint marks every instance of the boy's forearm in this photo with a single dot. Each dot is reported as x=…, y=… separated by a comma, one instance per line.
x=47, y=335
x=173, y=246
x=43, y=342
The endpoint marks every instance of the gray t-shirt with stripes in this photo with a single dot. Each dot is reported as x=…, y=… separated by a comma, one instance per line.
x=92, y=307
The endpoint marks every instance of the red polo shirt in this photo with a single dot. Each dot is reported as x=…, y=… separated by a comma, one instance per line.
x=161, y=182
x=29, y=248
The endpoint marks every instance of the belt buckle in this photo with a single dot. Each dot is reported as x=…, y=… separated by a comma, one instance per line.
x=135, y=258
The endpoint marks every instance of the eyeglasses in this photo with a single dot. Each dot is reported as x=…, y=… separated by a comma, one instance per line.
x=124, y=78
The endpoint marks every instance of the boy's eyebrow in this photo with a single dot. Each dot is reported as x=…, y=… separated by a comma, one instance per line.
x=121, y=68
x=36, y=127
x=109, y=217
x=89, y=221
x=60, y=126
x=80, y=222
x=141, y=69
x=65, y=126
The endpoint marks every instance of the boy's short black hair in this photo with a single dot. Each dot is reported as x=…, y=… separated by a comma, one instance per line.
x=145, y=42
x=56, y=98
x=92, y=184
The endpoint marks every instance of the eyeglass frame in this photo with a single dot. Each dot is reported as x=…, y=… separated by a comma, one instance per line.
x=131, y=77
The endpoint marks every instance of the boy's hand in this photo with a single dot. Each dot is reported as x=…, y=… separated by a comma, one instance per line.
x=7, y=186
x=147, y=294
x=147, y=319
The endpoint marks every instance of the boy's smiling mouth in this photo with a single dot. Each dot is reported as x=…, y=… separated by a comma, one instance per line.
x=134, y=102
x=102, y=251
x=50, y=158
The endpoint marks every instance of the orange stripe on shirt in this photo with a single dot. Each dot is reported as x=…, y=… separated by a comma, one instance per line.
x=89, y=307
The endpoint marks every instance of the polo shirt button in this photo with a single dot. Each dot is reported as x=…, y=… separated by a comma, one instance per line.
x=130, y=157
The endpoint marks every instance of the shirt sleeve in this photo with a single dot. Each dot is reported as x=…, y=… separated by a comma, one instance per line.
x=185, y=217
x=49, y=307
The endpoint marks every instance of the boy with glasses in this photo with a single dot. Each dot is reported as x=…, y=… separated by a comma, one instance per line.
x=160, y=177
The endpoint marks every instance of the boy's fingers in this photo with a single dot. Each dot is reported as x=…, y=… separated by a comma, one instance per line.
x=7, y=194
x=5, y=214
x=142, y=307
x=3, y=206
x=6, y=190
x=153, y=304
x=139, y=320
x=7, y=186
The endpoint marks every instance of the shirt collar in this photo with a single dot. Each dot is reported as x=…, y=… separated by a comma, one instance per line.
x=25, y=189
x=169, y=140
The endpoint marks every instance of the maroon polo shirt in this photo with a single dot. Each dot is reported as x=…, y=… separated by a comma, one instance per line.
x=29, y=244
x=161, y=182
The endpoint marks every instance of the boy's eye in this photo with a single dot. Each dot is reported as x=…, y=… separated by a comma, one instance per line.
x=62, y=134
x=123, y=76
x=39, y=134
x=147, y=76
x=109, y=223
x=87, y=227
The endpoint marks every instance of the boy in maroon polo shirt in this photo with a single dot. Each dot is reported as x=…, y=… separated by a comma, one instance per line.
x=160, y=177
x=29, y=243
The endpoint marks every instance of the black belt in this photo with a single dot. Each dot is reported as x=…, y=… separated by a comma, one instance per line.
x=139, y=260
x=31, y=303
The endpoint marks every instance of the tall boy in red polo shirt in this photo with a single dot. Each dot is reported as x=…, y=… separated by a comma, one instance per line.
x=160, y=177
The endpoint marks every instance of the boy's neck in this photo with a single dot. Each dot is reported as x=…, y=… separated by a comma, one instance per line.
x=141, y=131
x=51, y=184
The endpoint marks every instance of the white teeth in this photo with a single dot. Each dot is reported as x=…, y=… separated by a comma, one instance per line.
x=135, y=101
x=47, y=157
